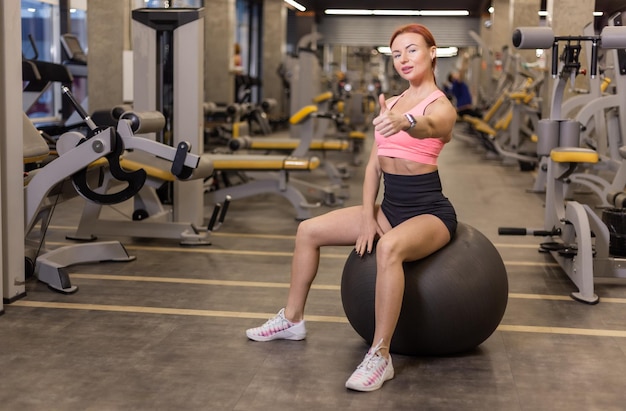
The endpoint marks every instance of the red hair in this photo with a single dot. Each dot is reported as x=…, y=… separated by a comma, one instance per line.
x=417, y=29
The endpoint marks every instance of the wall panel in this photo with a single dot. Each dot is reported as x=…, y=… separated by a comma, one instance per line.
x=369, y=31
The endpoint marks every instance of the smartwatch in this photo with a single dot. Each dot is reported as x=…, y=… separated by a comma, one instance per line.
x=412, y=121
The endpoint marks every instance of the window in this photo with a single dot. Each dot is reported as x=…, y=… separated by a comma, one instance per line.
x=41, y=28
x=38, y=37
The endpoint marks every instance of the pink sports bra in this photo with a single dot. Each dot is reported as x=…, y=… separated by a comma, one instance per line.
x=402, y=145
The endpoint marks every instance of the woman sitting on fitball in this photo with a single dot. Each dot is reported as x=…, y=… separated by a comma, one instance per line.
x=414, y=220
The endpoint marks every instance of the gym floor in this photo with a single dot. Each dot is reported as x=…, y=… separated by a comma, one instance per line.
x=166, y=331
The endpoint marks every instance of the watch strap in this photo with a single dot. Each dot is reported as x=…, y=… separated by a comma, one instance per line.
x=411, y=120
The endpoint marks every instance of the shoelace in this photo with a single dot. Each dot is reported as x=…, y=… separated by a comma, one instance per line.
x=277, y=320
x=371, y=359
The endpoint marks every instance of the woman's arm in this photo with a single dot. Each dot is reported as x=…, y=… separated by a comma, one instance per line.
x=437, y=122
x=371, y=184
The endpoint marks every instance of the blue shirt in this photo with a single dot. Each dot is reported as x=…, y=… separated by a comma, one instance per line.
x=461, y=93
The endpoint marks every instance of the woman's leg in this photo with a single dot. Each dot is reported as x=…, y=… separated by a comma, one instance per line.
x=337, y=227
x=415, y=238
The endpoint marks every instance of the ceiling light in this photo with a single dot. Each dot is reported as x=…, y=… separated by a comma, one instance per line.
x=295, y=4
x=391, y=12
x=441, y=51
x=544, y=13
x=444, y=13
x=349, y=12
x=447, y=51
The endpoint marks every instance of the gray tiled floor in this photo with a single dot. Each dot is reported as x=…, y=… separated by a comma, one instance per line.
x=121, y=353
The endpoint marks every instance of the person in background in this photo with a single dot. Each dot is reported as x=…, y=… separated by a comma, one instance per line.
x=237, y=67
x=414, y=219
x=460, y=92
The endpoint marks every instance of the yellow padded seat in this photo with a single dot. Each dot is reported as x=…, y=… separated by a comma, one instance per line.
x=320, y=98
x=521, y=96
x=574, y=155
x=35, y=147
x=152, y=171
x=302, y=114
x=470, y=119
x=263, y=162
x=232, y=162
x=504, y=122
x=357, y=135
x=483, y=127
x=334, y=145
x=283, y=144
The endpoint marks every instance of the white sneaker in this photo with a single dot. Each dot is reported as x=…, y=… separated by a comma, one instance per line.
x=373, y=371
x=278, y=328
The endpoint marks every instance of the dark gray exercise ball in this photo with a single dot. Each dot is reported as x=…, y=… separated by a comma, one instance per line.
x=454, y=299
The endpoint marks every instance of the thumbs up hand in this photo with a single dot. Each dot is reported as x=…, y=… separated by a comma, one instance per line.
x=387, y=122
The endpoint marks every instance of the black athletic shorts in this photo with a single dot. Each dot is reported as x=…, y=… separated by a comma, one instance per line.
x=407, y=196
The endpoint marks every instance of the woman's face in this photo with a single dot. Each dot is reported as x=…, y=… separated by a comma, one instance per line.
x=412, y=58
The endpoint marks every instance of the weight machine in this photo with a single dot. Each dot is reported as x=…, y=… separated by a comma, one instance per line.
x=576, y=237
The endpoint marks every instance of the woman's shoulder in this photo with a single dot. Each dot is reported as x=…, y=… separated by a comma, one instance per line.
x=436, y=93
x=429, y=99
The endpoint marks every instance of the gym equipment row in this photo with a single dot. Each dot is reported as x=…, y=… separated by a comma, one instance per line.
x=507, y=128
x=267, y=173
x=171, y=83
x=584, y=244
x=312, y=139
x=597, y=113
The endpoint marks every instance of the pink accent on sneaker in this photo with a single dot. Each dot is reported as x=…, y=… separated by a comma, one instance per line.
x=373, y=371
x=278, y=328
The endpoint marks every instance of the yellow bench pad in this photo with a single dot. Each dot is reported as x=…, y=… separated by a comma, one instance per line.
x=263, y=163
x=291, y=144
x=483, y=127
x=302, y=114
x=574, y=155
x=320, y=98
x=357, y=135
x=152, y=171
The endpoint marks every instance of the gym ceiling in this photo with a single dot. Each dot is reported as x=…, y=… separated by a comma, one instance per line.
x=475, y=7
